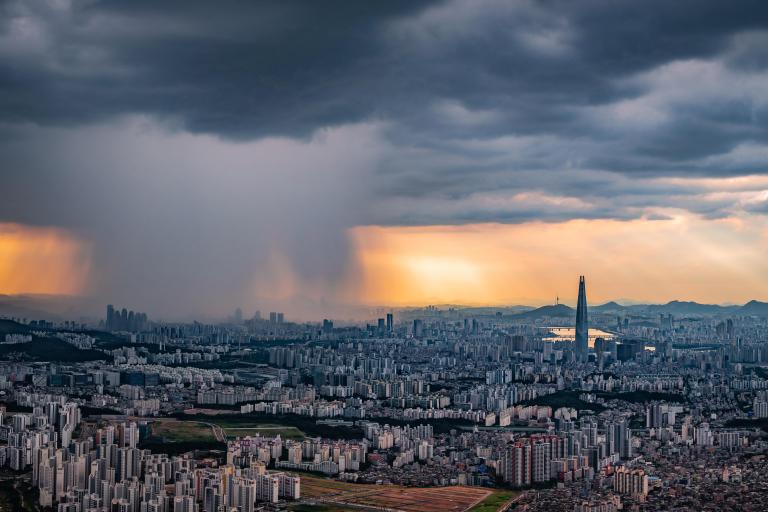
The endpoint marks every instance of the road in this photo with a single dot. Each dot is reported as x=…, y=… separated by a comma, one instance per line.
x=218, y=432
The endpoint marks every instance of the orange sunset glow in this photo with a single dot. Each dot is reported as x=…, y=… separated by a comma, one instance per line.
x=41, y=260
x=532, y=263
x=481, y=264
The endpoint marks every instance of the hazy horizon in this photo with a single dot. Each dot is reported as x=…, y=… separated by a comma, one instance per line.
x=73, y=307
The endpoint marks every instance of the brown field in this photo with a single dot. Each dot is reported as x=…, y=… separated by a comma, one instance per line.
x=393, y=497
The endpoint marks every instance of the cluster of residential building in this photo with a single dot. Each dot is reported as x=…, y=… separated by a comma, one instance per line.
x=439, y=399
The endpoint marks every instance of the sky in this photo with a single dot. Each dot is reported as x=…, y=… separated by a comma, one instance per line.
x=187, y=158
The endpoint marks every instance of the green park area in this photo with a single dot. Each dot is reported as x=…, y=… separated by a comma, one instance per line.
x=17, y=494
x=180, y=431
x=570, y=398
x=761, y=423
x=265, y=429
x=564, y=399
x=287, y=425
x=643, y=396
x=175, y=437
x=172, y=431
x=43, y=348
x=494, y=501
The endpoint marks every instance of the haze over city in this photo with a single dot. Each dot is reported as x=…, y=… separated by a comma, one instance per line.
x=189, y=159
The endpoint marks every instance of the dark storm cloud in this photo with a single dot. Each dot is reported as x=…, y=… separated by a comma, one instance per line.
x=454, y=112
x=263, y=68
x=253, y=69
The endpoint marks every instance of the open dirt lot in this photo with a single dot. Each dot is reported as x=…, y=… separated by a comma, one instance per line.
x=393, y=497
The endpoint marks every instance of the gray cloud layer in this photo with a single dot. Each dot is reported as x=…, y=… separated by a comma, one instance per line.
x=439, y=112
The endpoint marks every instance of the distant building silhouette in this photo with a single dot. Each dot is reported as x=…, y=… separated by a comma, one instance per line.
x=124, y=320
x=110, y=316
x=582, y=323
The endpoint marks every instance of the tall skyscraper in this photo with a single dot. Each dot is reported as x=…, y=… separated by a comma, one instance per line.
x=110, y=317
x=582, y=323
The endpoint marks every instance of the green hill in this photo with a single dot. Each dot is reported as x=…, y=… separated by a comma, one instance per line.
x=11, y=327
x=50, y=349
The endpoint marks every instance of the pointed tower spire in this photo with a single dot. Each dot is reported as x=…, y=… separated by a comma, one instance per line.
x=581, y=347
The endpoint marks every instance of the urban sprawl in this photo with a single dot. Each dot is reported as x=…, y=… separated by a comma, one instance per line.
x=586, y=409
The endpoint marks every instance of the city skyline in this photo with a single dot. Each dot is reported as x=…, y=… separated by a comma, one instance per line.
x=471, y=284
x=544, y=410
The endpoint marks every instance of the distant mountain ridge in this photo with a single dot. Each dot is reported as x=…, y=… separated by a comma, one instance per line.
x=754, y=308
x=677, y=307
x=544, y=311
